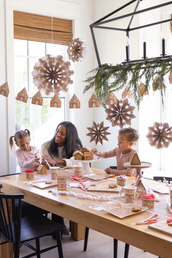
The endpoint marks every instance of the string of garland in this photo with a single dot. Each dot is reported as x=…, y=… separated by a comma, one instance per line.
x=109, y=78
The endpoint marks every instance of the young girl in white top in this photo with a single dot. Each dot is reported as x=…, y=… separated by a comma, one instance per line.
x=26, y=154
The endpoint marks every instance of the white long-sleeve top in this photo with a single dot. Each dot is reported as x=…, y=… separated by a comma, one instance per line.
x=26, y=159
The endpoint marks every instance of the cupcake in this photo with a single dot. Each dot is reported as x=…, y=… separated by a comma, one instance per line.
x=121, y=180
x=30, y=174
x=148, y=200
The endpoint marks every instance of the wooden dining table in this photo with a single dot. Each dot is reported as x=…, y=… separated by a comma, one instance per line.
x=79, y=211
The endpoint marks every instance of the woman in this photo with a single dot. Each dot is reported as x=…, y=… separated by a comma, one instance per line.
x=61, y=147
x=59, y=150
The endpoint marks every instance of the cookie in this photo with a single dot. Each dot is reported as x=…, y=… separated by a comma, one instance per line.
x=112, y=185
x=136, y=209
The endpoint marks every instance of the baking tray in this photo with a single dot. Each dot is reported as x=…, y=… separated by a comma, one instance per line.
x=122, y=210
x=43, y=184
x=98, y=176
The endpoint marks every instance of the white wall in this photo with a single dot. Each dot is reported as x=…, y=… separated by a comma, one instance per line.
x=3, y=100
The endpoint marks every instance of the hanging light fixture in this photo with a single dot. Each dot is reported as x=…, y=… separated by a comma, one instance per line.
x=104, y=20
x=110, y=78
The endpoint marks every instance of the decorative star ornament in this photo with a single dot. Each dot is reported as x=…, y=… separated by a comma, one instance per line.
x=52, y=74
x=76, y=50
x=98, y=133
x=121, y=113
x=160, y=135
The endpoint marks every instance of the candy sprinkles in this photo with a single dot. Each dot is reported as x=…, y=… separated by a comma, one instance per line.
x=90, y=197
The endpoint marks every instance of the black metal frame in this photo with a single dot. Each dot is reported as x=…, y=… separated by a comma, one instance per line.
x=101, y=21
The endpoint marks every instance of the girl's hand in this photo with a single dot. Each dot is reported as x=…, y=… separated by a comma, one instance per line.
x=94, y=151
x=108, y=170
x=37, y=160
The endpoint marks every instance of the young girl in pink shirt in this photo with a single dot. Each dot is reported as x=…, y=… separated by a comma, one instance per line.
x=127, y=137
x=26, y=154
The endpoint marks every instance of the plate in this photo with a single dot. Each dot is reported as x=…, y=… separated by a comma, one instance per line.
x=98, y=177
x=96, y=158
x=162, y=227
x=159, y=188
x=122, y=210
x=43, y=184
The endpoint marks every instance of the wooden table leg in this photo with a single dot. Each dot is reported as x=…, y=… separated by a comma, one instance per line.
x=77, y=231
x=6, y=250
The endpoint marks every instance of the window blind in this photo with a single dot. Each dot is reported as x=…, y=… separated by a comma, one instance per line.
x=42, y=28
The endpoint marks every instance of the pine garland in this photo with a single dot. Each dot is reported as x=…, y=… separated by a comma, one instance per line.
x=109, y=78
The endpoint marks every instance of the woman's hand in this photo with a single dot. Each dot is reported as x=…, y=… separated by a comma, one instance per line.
x=49, y=160
x=53, y=162
x=37, y=160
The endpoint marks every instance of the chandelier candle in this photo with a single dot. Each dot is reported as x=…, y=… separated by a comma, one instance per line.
x=144, y=46
x=127, y=49
x=163, y=43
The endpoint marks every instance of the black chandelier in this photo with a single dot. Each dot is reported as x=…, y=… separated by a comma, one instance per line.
x=100, y=25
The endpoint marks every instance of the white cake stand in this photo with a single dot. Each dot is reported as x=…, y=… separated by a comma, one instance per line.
x=85, y=163
x=138, y=167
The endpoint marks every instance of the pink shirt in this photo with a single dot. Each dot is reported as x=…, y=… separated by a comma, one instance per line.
x=121, y=158
x=26, y=159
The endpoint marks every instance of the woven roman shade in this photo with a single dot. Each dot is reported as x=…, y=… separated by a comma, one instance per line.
x=42, y=28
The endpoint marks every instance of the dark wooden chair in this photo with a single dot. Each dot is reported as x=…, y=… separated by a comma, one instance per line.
x=115, y=245
x=17, y=230
x=161, y=179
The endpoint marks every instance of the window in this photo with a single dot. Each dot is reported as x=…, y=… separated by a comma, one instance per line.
x=151, y=110
x=40, y=120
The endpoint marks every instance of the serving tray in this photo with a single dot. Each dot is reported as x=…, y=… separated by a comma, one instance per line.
x=122, y=210
x=43, y=184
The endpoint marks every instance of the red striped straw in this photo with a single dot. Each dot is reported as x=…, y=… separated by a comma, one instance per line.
x=166, y=182
x=136, y=181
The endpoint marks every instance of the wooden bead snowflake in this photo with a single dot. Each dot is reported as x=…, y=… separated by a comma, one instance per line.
x=160, y=135
x=76, y=50
x=121, y=113
x=98, y=132
x=52, y=74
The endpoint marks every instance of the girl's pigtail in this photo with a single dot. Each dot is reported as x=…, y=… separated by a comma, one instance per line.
x=11, y=143
x=28, y=132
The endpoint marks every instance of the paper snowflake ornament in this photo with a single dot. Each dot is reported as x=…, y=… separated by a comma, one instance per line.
x=76, y=50
x=120, y=114
x=98, y=133
x=52, y=74
x=160, y=135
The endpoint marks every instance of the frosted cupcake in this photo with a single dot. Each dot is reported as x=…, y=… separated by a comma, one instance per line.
x=148, y=200
x=121, y=180
x=30, y=174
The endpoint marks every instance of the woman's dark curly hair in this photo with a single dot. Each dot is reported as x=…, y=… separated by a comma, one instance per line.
x=72, y=142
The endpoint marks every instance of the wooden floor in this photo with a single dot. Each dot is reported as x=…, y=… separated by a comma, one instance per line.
x=99, y=245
